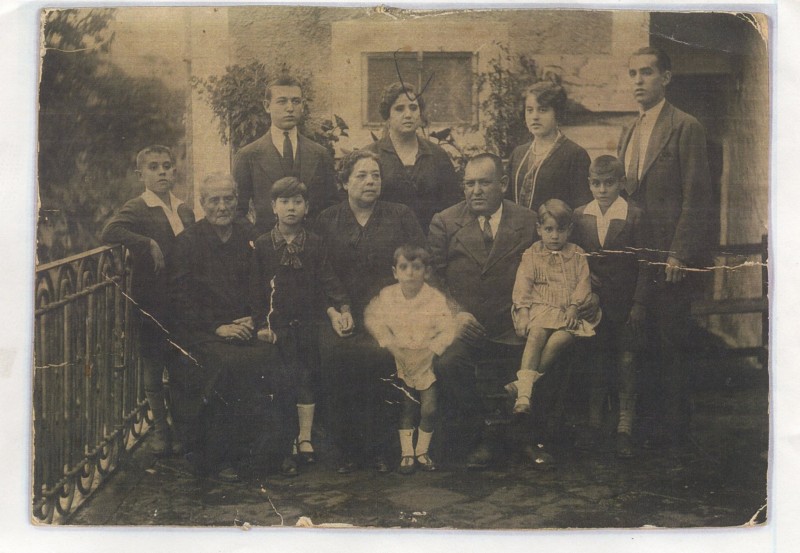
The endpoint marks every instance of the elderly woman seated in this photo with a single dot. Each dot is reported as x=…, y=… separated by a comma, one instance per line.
x=227, y=377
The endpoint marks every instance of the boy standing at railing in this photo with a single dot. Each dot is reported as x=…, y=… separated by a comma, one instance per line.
x=147, y=225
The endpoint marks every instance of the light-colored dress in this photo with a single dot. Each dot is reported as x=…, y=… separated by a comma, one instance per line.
x=419, y=328
x=550, y=281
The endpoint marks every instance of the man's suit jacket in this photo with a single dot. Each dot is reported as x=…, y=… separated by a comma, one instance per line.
x=619, y=265
x=258, y=165
x=134, y=226
x=675, y=189
x=481, y=282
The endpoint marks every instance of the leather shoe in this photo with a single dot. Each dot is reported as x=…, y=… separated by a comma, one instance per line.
x=407, y=465
x=289, y=467
x=538, y=456
x=380, y=466
x=480, y=458
x=228, y=475
x=425, y=463
x=624, y=445
x=346, y=467
x=308, y=457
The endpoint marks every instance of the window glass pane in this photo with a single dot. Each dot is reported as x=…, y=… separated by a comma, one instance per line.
x=381, y=72
x=448, y=98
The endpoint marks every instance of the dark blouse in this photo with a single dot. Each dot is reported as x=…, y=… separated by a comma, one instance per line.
x=428, y=187
x=362, y=257
x=300, y=293
x=563, y=174
x=209, y=280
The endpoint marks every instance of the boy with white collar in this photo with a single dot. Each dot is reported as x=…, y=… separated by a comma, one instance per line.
x=147, y=225
x=613, y=231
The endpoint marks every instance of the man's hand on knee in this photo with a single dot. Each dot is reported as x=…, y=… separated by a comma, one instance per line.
x=468, y=327
x=587, y=309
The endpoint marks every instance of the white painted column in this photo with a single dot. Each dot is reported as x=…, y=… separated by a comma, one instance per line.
x=208, y=48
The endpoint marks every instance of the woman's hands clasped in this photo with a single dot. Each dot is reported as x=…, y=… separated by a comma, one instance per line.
x=341, y=322
x=240, y=329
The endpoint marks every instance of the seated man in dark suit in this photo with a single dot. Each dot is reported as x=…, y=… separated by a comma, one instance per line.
x=477, y=246
x=283, y=152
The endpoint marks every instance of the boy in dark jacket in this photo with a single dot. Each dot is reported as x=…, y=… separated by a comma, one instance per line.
x=613, y=234
x=292, y=285
x=147, y=225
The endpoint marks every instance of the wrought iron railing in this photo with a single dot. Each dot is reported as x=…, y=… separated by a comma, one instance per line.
x=88, y=399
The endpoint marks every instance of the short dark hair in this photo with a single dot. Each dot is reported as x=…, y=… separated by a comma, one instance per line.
x=498, y=162
x=153, y=149
x=607, y=164
x=412, y=252
x=392, y=92
x=662, y=59
x=288, y=187
x=350, y=161
x=283, y=80
x=558, y=210
x=550, y=95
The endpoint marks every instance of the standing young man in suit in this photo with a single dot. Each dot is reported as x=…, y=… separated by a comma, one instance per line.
x=282, y=152
x=667, y=174
x=477, y=245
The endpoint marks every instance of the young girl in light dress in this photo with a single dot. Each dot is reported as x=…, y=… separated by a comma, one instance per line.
x=552, y=281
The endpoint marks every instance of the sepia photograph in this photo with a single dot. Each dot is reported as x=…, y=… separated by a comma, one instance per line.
x=393, y=268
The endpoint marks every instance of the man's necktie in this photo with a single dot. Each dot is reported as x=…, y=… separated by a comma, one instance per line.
x=288, y=157
x=488, y=239
x=632, y=172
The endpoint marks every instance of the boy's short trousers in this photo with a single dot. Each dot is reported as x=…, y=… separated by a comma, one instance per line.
x=415, y=367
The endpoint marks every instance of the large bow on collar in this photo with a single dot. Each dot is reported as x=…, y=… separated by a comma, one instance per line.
x=290, y=257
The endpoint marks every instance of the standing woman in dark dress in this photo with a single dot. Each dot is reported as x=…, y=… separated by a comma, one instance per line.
x=360, y=236
x=551, y=165
x=416, y=172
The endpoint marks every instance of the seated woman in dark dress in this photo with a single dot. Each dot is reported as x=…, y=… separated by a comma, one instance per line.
x=360, y=236
x=551, y=165
x=227, y=376
x=416, y=172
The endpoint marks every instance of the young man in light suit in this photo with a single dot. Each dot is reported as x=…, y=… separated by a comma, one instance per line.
x=667, y=174
x=282, y=152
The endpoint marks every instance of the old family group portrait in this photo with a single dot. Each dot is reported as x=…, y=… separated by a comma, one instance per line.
x=474, y=269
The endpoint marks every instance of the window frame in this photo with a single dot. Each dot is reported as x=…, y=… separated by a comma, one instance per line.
x=419, y=55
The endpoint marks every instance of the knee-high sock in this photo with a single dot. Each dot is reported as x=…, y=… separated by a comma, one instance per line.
x=525, y=382
x=406, y=441
x=423, y=441
x=305, y=416
x=627, y=406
